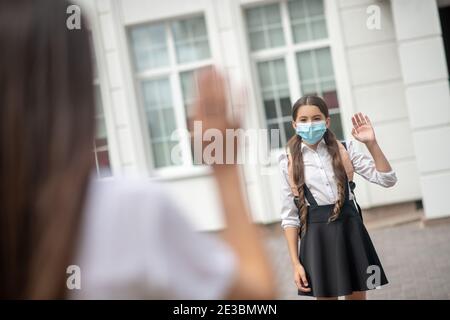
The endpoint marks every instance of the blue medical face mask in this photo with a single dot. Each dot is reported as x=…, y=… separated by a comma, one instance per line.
x=311, y=132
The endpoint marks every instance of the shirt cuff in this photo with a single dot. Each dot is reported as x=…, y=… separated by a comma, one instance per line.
x=387, y=179
x=290, y=225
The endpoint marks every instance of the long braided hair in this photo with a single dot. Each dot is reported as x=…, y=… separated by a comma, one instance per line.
x=294, y=145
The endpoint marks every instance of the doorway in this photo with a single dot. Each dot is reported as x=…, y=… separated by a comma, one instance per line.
x=444, y=15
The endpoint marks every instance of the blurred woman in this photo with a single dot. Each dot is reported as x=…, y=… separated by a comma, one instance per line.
x=127, y=237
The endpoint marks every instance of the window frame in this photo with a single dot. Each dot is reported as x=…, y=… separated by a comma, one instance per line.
x=97, y=85
x=288, y=52
x=172, y=72
x=98, y=81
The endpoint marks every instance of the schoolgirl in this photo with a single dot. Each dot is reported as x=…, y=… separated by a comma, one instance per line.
x=337, y=257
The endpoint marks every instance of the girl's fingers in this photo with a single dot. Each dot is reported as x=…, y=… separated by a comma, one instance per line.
x=297, y=284
x=361, y=120
x=358, y=123
x=302, y=287
x=367, y=120
x=355, y=124
x=305, y=289
x=301, y=281
x=304, y=281
x=298, y=281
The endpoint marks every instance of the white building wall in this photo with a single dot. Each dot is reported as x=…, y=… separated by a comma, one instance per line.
x=123, y=140
x=377, y=89
x=369, y=75
x=194, y=190
x=425, y=77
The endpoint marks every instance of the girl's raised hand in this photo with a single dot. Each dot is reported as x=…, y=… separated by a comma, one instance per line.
x=362, y=128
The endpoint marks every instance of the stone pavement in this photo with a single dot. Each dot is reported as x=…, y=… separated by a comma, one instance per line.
x=416, y=260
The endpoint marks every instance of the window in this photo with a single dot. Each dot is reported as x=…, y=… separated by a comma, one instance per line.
x=264, y=27
x=290, y=49
x=100, y=143
x=101, y=153
x=150, y=47
x=191, y=39
x=307, y=20
x=166, y=56
x=275, y=92
x=161, y=119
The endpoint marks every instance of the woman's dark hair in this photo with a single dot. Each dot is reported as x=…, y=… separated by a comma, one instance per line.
x=46, y=136
x=294, y=145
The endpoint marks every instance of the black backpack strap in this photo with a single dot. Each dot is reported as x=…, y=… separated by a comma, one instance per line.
x=353, y=185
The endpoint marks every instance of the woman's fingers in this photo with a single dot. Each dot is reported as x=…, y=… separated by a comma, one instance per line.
x=211, y=98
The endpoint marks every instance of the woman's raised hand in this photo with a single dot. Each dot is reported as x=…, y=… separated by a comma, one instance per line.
x=211, y=110
x=211, y=103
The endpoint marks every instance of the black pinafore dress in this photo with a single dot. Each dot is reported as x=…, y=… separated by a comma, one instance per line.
x=339, y=257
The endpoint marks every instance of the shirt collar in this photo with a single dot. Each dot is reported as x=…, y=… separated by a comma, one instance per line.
x=321, y=144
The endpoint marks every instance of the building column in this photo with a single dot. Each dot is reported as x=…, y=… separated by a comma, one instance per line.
x=424, y=71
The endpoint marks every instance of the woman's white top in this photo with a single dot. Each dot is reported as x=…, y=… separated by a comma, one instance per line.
x=320, y=179
x=135, y=244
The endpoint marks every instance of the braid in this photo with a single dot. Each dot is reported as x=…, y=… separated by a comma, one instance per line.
x=294, y=145
x=339, y=172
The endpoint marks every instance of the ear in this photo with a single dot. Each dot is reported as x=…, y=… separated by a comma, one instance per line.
x=294, y=124
x=328, y=122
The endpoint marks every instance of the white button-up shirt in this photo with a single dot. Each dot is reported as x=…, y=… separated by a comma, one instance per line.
x=135, y=243
x=320, y=179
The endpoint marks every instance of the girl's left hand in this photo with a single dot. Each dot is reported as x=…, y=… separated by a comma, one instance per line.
x=362, y=128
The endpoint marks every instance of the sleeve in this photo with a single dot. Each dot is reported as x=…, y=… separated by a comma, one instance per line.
x=289, y=212
x=365, y=167
x=197, y=265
